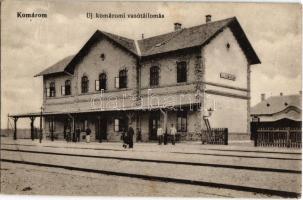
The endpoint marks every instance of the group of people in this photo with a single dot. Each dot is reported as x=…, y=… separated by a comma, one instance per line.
x=127, y=137
x=163, y=136
x=76, y=135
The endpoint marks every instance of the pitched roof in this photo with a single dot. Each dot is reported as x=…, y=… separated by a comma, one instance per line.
x=125, y=42
x=276, y=104
x=57, y=67
x=185, y=38
x=197, y=36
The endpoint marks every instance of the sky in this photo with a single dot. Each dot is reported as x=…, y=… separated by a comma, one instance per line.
x=29, y=46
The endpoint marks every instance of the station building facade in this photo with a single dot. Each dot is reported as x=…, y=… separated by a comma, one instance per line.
x=176, y=78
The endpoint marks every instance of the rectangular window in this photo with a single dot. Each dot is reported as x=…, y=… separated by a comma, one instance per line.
x=181, y=72
x=63, y=90
x=97, y=85
x=154, y=76
x=182, y=121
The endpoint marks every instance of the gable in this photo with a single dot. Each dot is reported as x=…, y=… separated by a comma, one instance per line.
x=224, y=56
x=125, y=44
x=192, y=37
x=115, y=59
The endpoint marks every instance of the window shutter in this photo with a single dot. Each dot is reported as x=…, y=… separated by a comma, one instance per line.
x=117, y=80
x=116, y=125
x=47, y=92
x=63, y=90
x=97, y=85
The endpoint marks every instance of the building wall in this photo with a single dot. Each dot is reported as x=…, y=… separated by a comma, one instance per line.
x=168, y=70
x=229, y=113
x=59, y=81
x=116, y=59
x=219, y=58
x=229, y=98
x=92, y=65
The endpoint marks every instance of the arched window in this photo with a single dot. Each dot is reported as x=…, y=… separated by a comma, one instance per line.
x=102, y=80
x=123, y=79
x=154, y=76
x=84, y=84
x=67, y=88
x=52, y=89
x=181, y=72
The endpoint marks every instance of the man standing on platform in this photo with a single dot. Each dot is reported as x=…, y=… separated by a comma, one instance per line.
x=160, y=135
x=130, y=137
x=173, y=132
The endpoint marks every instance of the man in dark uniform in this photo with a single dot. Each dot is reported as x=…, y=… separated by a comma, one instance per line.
x=77, y=135
x=130, y=137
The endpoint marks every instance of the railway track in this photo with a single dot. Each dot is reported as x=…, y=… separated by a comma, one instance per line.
x=62, y=157
x=162, y=161
x=188, y=153
x=280, y=193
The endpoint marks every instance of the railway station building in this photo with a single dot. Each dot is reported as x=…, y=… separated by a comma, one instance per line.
x=177, y=78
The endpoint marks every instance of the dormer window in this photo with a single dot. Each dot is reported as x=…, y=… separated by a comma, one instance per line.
x=84, y=84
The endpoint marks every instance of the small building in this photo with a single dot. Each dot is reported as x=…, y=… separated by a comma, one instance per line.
x=114, y=82
x=278, y=111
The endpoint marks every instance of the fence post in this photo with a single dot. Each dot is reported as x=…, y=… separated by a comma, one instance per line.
x=256, y=138
x=287, y=137
x=226, y=136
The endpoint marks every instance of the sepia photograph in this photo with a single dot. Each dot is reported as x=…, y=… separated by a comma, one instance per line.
x=151, y=99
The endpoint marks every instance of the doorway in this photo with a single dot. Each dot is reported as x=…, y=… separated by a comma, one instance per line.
x=154, y=123
x=101, y=128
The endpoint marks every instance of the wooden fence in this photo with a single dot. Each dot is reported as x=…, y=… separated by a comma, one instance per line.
x=215, y=136
x=278, y=137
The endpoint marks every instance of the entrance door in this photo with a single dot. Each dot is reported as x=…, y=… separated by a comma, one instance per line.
x=101, y=128
x=154, y=122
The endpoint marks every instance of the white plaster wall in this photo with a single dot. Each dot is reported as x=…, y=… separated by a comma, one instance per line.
x=115, y=60
x=229, y=113
x=220, y=59
x=168, y=70
x=92, y=65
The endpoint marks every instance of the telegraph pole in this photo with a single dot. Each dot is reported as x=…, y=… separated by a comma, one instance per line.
x=41, y=133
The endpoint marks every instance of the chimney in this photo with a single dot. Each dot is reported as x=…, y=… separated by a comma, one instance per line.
x=208, y=18
x=177, y=26
x=281, y=94
x=142, y=36
x=262, y=97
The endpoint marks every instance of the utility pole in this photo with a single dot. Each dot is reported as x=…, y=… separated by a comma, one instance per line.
x=41, y=134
